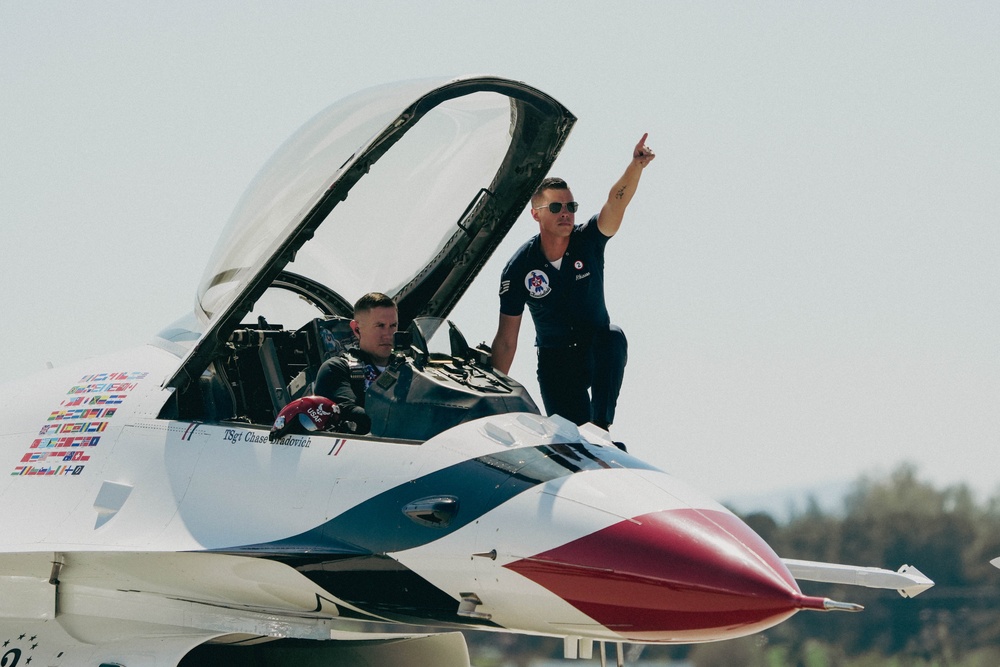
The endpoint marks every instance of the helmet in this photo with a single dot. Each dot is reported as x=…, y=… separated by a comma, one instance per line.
x=309, y=413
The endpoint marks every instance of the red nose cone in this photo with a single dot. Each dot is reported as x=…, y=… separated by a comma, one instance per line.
x=678, y=575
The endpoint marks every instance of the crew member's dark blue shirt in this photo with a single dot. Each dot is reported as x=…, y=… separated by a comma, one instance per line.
x=566, y=304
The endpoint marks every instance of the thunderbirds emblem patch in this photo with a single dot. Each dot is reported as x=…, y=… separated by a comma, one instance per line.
x=538, y=284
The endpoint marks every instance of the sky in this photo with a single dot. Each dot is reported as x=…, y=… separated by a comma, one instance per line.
x=807, y=276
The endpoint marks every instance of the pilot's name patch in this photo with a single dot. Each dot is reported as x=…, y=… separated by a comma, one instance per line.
x=257, y=438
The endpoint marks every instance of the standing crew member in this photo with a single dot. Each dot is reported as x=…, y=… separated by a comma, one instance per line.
x=560, y=275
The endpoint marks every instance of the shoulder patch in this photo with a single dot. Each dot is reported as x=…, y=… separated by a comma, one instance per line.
x=537, y=284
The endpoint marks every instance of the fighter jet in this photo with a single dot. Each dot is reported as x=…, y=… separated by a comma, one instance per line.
x=148, y=518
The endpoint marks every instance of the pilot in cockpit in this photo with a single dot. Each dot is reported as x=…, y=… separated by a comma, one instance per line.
x=338, y=397
x=345, y=378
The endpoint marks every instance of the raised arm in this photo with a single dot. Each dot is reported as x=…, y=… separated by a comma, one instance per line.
x=610, y=218
x=505, y=342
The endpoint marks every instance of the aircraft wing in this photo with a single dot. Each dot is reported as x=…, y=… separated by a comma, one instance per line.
x=908, y=580
x=119, y=604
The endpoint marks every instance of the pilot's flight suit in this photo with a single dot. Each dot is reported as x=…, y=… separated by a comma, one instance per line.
x=344, y=379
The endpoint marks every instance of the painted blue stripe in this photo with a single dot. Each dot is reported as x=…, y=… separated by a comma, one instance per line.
x=379, y=526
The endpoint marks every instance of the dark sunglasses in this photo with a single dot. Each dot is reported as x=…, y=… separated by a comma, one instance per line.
x=556, y=207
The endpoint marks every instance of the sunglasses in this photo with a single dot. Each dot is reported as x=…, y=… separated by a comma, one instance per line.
x=556, y=207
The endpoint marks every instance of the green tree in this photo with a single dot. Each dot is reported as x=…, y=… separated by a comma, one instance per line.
x=887, y=522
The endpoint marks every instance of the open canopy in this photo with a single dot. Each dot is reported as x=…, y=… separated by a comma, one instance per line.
x=437, y=172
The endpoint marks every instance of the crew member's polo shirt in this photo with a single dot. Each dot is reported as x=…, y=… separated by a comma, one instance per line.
x=566, y=304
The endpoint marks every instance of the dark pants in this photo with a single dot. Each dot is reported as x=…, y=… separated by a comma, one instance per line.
x=566, y=373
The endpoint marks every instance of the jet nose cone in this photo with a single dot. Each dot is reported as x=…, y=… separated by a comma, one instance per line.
x=677, y=575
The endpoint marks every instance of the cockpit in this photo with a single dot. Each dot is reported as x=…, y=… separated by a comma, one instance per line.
x=434, y=380
x=406, y=189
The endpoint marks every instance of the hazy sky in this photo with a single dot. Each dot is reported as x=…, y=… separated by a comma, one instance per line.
x=808, y=275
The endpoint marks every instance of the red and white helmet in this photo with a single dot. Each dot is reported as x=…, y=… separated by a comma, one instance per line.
x=306, y=414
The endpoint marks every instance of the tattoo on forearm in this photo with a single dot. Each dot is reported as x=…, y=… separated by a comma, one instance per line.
x=620, y=193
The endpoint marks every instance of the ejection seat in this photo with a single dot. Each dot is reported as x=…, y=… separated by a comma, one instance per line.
x=327, y=337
